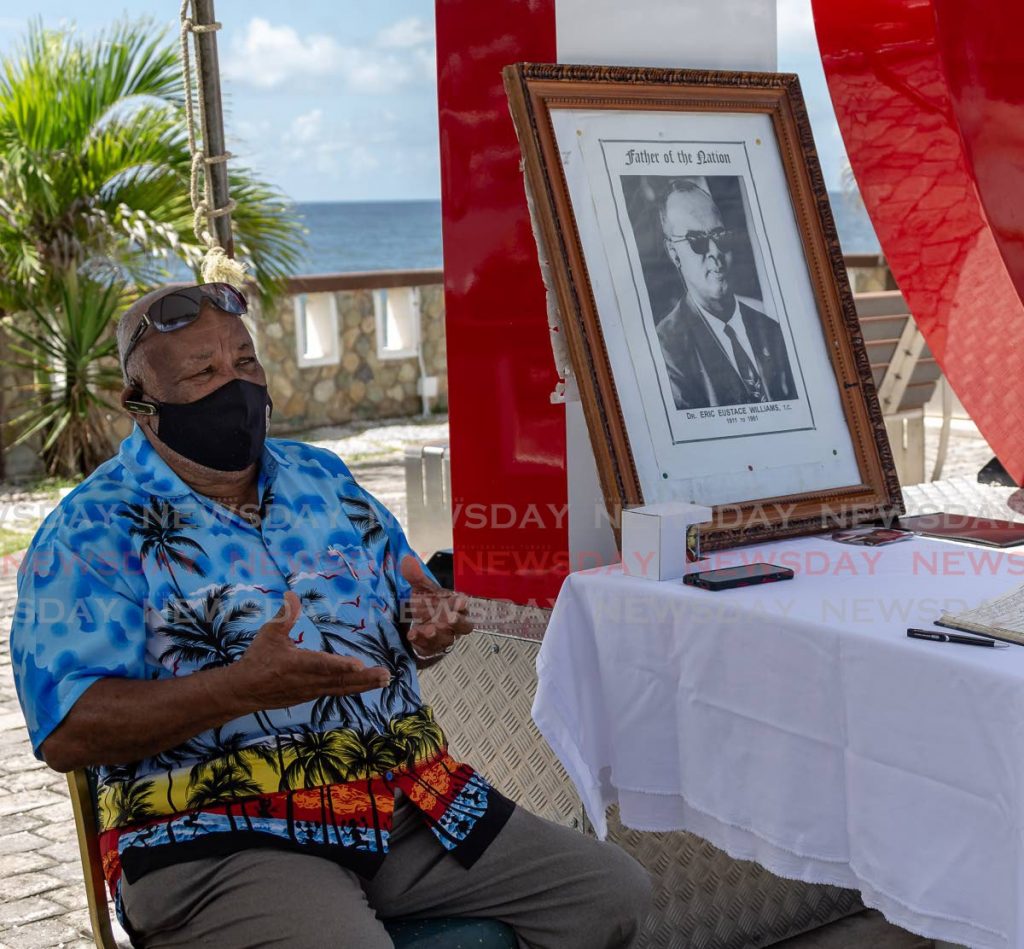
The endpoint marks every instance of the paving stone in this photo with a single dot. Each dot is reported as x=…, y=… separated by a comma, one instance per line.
x=11, y=719
x=59, y=833
x=45, y=934
x=70, y=897
x=21, y=760
x=27, y=884
x=25, y=862
x=16, y=802
x=13, y=823
x=41, y=779
x=18, y=912
x=60, y=852
x=69, y=871
x=80, y=919
x=55, y=813
x=17, y=843
x=12, y=738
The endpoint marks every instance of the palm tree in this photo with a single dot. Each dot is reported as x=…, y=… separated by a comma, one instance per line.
x=365, y=520
x=169, y=760
x=232, y=752
x=211, y=635
x=316, y=762
x=331, y=629
x=399, y=691
x=70, y=352
x=419, y=734
x=337, y=709
x=127, y=802
x=95, y=169
x=161, y=528
x=222, y=783
x=367, y=756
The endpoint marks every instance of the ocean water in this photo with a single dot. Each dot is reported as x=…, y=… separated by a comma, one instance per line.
x=401, y=235
x=370, y=235
x=406, y=235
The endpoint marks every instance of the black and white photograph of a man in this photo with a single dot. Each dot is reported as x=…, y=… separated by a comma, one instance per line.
x=720, y=346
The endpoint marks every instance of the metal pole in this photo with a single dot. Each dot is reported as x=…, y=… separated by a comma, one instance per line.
x=213, y=129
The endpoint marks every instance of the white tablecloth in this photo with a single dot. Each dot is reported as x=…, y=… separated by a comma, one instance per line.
x=795, y=724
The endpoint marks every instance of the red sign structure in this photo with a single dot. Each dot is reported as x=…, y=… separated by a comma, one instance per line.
x=507, y=440
x=930, y=100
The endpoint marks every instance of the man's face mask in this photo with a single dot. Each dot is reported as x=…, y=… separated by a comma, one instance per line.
x=224, y=430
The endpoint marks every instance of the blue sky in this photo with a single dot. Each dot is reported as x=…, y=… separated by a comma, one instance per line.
x=335, y=100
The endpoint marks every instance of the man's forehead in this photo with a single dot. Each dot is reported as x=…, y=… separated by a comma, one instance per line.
x=201, y=339
x=690, y=204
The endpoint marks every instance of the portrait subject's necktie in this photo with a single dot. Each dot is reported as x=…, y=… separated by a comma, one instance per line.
x=747, y=370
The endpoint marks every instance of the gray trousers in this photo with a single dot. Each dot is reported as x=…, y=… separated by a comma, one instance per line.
x=557, y=888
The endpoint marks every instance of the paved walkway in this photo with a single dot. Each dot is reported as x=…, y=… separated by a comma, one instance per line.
x=42, y=899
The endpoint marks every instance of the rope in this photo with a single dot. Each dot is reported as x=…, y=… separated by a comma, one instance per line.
x=216, y=266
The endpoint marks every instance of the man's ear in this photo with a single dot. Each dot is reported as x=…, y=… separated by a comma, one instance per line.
x=673, y=254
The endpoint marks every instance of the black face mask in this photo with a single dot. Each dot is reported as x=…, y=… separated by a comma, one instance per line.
x=224, y=430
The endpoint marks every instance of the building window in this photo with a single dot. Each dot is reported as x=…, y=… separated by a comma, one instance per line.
x=397, y=312
x=316, y=329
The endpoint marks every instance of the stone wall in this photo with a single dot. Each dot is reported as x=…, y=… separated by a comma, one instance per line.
x=361, y=385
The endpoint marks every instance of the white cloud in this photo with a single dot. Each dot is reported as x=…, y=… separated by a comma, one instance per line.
x=336, y=147
x=405, y=34
x=307, y=128
x=268, y=56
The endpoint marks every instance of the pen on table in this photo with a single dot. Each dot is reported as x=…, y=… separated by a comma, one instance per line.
x=935, y=637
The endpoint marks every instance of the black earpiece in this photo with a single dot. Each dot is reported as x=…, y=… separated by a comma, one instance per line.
x=136, y=406
x=140, y=408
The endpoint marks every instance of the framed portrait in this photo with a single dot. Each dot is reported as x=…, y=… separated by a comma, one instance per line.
x=702, y=295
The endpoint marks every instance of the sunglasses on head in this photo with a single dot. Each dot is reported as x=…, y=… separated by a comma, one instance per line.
x=181, y=307
x=699, y=241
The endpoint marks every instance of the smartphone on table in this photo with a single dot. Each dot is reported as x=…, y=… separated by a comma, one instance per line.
x=726, y=578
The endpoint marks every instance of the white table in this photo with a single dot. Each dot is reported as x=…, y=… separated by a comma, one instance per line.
x=795, y=724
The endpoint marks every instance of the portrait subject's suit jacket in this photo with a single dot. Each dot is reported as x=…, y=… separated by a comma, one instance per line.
x=700, y=372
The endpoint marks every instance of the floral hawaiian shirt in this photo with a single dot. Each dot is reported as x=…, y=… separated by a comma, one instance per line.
x=137, y=576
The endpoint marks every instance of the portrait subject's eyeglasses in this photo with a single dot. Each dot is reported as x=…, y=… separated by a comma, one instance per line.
x=699, y=241
x=181, y=307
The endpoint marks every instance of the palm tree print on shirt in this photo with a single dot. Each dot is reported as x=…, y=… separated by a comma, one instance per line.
x=225, y=784
x=161, y=528
x=367, y=756
x=332, y=630
x=398, y=695
x=210, y=634
x=365, y=520
x=316, y=762
x=124, y=798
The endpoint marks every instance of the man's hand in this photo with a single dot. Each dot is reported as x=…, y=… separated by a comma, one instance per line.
x=436, y=616
x=118, y=720
x=276, y=673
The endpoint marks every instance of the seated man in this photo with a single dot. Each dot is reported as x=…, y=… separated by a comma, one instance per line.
x=227, y=629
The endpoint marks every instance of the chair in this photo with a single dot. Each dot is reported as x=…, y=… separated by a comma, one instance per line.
x=461, y=933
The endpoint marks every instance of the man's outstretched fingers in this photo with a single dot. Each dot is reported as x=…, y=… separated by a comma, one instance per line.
x=351, y=675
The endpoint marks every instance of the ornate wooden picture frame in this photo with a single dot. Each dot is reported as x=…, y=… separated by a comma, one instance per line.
x=702, y=295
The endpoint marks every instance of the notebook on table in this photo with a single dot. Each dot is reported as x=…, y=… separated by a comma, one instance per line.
x=989, y=531
x=999, y=618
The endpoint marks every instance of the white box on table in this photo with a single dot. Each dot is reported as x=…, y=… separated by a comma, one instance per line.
x=654, y=538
